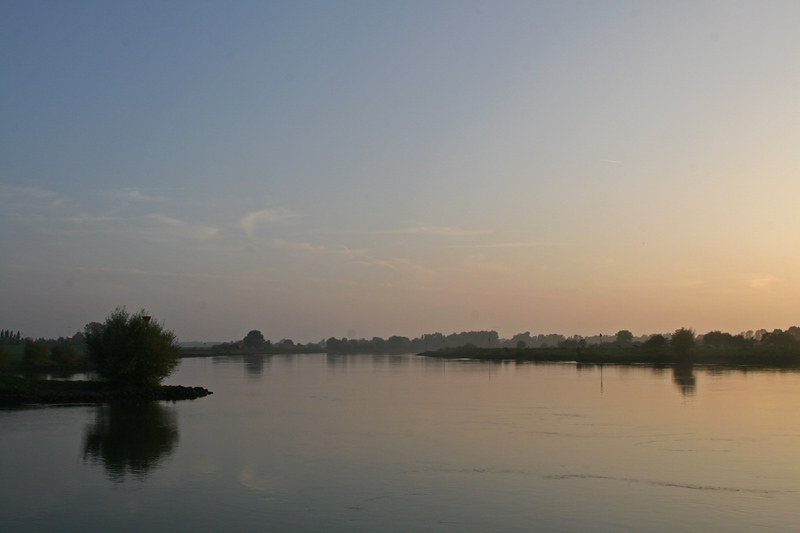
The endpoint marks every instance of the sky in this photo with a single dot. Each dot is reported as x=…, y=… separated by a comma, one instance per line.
x=360, y=169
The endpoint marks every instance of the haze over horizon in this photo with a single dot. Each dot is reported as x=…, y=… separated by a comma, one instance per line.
x=360, y=169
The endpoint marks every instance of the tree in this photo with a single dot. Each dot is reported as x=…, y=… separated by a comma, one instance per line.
x=781, y=339
x=682, y=340
x=655, y=341
x=132, y=349
x=624, y=337
x=253, y=339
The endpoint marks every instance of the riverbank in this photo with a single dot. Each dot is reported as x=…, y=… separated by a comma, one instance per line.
x=755, y=357
x=15, y=390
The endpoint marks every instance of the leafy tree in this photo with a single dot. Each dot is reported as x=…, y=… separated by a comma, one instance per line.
x=254, y=339
x=624, y=337
x=682, y=340
x=132, y=349
x=655, y=341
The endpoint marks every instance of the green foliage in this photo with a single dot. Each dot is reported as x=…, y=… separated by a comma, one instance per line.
x=35, y=353
x=132, y=349
x=682, y=340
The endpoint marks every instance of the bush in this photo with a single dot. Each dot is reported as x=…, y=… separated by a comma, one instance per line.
x=132, y=349
x=35, y=353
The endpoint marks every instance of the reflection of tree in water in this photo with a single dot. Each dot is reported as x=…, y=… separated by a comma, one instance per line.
x=683, y=376
x=130, y=438
x=254, y=365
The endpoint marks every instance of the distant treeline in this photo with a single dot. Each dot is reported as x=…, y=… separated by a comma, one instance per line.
x=762, y=348
x=432, y=341
x=255, y=343
x=491, y=340
x=11, y=338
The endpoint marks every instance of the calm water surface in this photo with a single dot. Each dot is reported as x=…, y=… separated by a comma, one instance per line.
x=405, y=443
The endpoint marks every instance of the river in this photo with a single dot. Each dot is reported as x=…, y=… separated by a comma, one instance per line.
x=407, y=443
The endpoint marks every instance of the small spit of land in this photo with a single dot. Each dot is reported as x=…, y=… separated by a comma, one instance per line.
x=15, y=390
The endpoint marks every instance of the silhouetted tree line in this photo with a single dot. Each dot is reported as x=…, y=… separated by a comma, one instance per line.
x=254, y=342
x=437, y=341
x=681, y=340
x=9, y=338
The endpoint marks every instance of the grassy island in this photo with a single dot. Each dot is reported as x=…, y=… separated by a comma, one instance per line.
x=15, y=390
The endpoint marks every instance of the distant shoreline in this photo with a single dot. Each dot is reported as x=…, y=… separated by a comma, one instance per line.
x=754, y=357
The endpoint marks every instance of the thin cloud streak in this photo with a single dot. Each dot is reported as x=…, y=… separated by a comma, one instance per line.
x=11, y=191
x=512, y=245
x=360, y=257
x=135, y=195
x=249, y=222
x=445, y=231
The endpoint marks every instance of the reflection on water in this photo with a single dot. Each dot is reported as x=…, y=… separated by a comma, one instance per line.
x=254, y=364
x=130, y=438
x=683, y=376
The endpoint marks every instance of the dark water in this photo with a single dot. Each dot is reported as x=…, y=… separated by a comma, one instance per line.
x=362, y=443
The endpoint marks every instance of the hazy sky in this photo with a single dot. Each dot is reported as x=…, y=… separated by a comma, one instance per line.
x=359, y=169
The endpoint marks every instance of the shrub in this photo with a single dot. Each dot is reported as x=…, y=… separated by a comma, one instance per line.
x=132, y=349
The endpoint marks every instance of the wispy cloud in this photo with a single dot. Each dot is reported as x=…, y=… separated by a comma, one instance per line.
x=11, y=191
x=85, y=218
x=360, y=257
x=445, y=231
x=764, y=282
x=513, y=245
x=148, y=273
x=179, y=228
x=249, y=222
x=136, y=195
